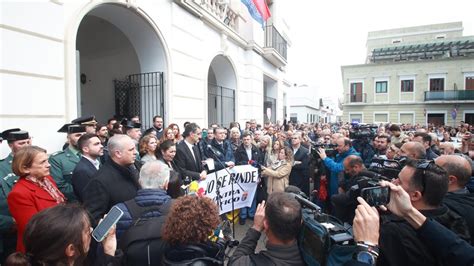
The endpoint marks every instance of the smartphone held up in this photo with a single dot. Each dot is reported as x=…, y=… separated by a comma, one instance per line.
x=376, y=196
x=104, y=226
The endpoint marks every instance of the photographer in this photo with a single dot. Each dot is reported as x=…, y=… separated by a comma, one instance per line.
x=280, y=219
x=336, y=166
x=344, y=203
x=426, y=184
x=448, y=247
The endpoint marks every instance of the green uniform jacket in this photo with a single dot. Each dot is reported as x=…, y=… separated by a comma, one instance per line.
x=62, y=166
x=7, y=180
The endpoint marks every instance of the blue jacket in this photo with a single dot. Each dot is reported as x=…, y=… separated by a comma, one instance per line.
x=335, y=167
x=144, y=198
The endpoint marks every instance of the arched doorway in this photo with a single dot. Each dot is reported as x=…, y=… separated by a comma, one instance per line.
x=120, y=62
x=222, y=84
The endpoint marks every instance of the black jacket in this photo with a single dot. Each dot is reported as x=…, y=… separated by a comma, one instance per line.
x=184, y=159
x=462, y=203
x=81, y=176
x=400, y=244
x=299, y=175
x=225, y=154
x=241, y=157
x=278, y=255
x=112, y=184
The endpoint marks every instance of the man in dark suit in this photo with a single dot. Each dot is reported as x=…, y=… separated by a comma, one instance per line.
x=299, y=175
x=247, y=152
x=91, y=149
x=222, y=150
x=188, y=157
x=116, y=181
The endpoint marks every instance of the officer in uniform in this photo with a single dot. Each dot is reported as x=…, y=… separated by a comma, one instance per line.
x=133, y=130
x=63, y=162
x=88, y=121
x=16, y=139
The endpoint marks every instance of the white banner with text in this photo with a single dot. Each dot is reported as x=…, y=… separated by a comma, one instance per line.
x=242, y=179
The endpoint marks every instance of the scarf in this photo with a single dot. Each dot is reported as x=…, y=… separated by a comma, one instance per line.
x=47, y=185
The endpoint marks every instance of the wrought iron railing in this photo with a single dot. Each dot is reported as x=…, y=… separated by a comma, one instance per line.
x=274, y=40
x=356, y=98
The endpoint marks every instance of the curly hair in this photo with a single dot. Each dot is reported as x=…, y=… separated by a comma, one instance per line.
x=143, y=144
x=191, y=220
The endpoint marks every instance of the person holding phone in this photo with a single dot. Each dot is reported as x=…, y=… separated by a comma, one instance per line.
x=61, y=236
x=426, y=184
x=34, y=191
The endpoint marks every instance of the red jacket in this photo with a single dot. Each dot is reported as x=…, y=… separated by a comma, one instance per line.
x=25, y=200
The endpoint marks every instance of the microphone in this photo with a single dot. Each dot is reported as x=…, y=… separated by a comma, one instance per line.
x=300, y=196
x=213, y=150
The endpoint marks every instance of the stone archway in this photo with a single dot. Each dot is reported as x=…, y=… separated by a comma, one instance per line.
x=222, y=85
x=116, y=46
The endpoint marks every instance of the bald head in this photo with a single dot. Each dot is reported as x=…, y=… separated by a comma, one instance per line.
x=413, y=150
x=458, y=168
x=353, y=165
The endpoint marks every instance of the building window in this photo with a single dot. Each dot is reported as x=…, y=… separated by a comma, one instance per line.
x=356, y=92
x=381, y=87
x=407, y=85
x=470, y=83
x=380, y=118
x=437, y=84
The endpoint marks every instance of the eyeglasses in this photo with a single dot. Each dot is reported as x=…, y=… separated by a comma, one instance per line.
x=424, y=165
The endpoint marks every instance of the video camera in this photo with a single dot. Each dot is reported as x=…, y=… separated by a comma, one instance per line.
x=367, y=179
x=328, y=148
x=359, y=132
x=320, y=232
x=386, y=167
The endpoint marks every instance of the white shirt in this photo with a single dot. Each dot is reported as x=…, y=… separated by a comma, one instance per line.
x=95, y=163
x=190, y=146
x=249, y=152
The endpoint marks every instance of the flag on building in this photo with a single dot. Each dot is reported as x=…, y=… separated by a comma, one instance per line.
x=258, y=9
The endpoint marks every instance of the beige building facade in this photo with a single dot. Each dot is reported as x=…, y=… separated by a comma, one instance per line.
x=414, y=75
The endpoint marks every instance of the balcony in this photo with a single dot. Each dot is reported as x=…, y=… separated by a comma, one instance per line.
x=275, y=47
x=355, y=98
x=449, y=95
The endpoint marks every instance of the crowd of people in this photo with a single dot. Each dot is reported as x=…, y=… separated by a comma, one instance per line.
x=56, y=199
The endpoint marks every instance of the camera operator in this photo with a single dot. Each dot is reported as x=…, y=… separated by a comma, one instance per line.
x=343, y=204
x=335, y=166
x=280, y=219
x=449, y=248
x=426, y=184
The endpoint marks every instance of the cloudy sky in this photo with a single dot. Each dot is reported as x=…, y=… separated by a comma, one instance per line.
x=329, y=34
